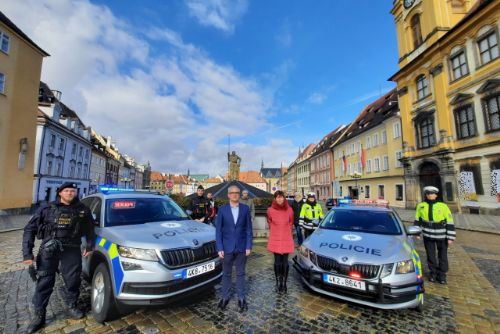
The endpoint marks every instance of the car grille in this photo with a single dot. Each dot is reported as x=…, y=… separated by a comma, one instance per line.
x=163, y=288
x=331, y=265
x=182, y=257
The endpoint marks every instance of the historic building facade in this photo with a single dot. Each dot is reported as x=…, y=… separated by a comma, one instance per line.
x=20, y=68
x=449, y=97
x=367, y=156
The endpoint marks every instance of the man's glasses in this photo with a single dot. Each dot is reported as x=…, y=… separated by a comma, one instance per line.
x=234, y=193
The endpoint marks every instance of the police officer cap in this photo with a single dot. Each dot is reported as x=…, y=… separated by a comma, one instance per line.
x=66, y=185
x=431, y=190
x=201, y=187
x=311, y=195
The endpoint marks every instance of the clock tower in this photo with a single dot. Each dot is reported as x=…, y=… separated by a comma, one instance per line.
x=419, y=23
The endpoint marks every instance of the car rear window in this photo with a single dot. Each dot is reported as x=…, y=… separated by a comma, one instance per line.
x=131, y=211
x=368, y=221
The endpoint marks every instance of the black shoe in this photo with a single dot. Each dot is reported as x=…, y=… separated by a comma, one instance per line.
x=432, y=279
x=37, y=322
x=74, y=312
x=223, y=303
x=442, y=280
x=242, y=304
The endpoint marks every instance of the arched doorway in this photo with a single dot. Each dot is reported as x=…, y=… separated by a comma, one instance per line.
x=429, y=176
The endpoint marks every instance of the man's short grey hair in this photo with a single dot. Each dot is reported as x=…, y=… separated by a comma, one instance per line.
x=244, y=192
x=233, y=187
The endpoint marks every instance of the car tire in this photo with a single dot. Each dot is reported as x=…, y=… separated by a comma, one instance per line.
x=102, y=299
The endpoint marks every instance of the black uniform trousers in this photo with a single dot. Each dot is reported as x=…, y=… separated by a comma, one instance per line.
x=437, y=257
x=70, y=260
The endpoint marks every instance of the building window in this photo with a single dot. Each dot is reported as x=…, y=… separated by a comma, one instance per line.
x=458, y=64
x=368, y=142
x=399, y=192
x=367, y=191
x=385, y=162
x=475, y=168
x=488, y=47
x=73, y=150
x=422, y=87
x=340, y=190
x=399, y=155
x=376, y=163
x=368, y=166
x=80, y=153
x=491, y=112
x=52, y=141
x=59, y=169
x=61, y=144
x=416, y=31
x=375, y=140
x=2, y=83
x=49, y=167
x=384, y=137
x=465, y=122
x=381, y=191
x=4, y=42
x=425, y=132
x=396, y=127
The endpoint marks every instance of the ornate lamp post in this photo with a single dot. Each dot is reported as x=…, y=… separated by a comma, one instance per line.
x=356, y=176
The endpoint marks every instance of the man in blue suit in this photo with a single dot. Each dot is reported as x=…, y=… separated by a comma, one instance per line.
x=233, y=233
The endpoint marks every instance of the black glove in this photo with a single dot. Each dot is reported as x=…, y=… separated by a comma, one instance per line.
x=32, y=272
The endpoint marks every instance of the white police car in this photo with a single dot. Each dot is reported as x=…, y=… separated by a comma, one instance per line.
x=363, y=253
x=147, y=252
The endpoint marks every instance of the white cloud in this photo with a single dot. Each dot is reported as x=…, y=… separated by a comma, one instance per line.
x=316, y=98
x=221, y=14
x=284, y=35
x=174, y=110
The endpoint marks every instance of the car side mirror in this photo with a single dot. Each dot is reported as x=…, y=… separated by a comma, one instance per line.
x=413, y=230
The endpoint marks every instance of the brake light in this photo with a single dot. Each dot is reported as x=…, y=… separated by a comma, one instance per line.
x=354, y=274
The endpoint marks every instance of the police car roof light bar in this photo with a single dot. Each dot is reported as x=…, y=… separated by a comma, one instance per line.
x=364, y=202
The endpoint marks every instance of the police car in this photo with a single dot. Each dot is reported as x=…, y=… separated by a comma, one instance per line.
x=362, y=253
x=147, y=252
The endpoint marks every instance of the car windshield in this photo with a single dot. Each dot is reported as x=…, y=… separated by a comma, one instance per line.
x=368, y=221
x=131, y=211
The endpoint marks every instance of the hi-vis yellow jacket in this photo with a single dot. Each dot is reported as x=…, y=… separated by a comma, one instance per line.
x=436, y=220
x=310, y=215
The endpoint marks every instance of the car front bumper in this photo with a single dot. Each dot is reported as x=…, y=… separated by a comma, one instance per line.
x=378, y=294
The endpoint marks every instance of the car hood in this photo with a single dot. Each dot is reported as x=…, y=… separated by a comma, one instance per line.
x=352, y=247
x=160, y=235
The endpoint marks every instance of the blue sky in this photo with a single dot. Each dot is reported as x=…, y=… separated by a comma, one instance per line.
x=170, y=79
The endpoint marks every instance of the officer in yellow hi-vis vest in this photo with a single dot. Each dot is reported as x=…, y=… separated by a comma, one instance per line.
x=436, y=221
x=310, y=215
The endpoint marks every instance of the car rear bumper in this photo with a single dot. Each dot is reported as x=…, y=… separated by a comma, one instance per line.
x=381, y=295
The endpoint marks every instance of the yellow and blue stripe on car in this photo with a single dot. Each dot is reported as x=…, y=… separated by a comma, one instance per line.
x=112, y=250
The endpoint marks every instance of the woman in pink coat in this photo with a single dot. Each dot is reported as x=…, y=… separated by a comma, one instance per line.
x=280, y=220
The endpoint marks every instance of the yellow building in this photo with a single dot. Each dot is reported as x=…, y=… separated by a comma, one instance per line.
x=449, y=96
x=20, y=68
x=367, y=156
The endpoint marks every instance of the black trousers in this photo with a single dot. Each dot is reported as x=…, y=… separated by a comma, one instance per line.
x=437, y=257
x=280, y=259
x=70, y=260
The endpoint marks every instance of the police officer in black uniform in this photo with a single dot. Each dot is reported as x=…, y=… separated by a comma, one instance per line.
x=60, y=225
x=199, y=206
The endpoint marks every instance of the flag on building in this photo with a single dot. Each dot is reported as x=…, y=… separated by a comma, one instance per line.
x=344, y=162
x=362, y=157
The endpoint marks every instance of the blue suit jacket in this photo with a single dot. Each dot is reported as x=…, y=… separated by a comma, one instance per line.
x=231, y=237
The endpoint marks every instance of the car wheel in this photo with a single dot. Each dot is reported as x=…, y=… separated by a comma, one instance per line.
x=102, y=298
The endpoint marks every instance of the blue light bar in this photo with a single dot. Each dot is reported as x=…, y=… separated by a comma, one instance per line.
x=345, y=201
x=112, y=189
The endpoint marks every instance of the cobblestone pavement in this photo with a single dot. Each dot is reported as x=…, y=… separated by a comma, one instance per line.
x=470, y=303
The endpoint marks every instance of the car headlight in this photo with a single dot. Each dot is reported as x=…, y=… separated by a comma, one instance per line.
x=386, y=270
x=304, y=251
x=138, y=253
x=405, y=267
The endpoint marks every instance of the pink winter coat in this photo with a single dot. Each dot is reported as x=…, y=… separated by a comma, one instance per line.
x=280, y=220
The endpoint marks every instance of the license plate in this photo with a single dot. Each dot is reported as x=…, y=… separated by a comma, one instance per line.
x=195, y=271
x=342, y=281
